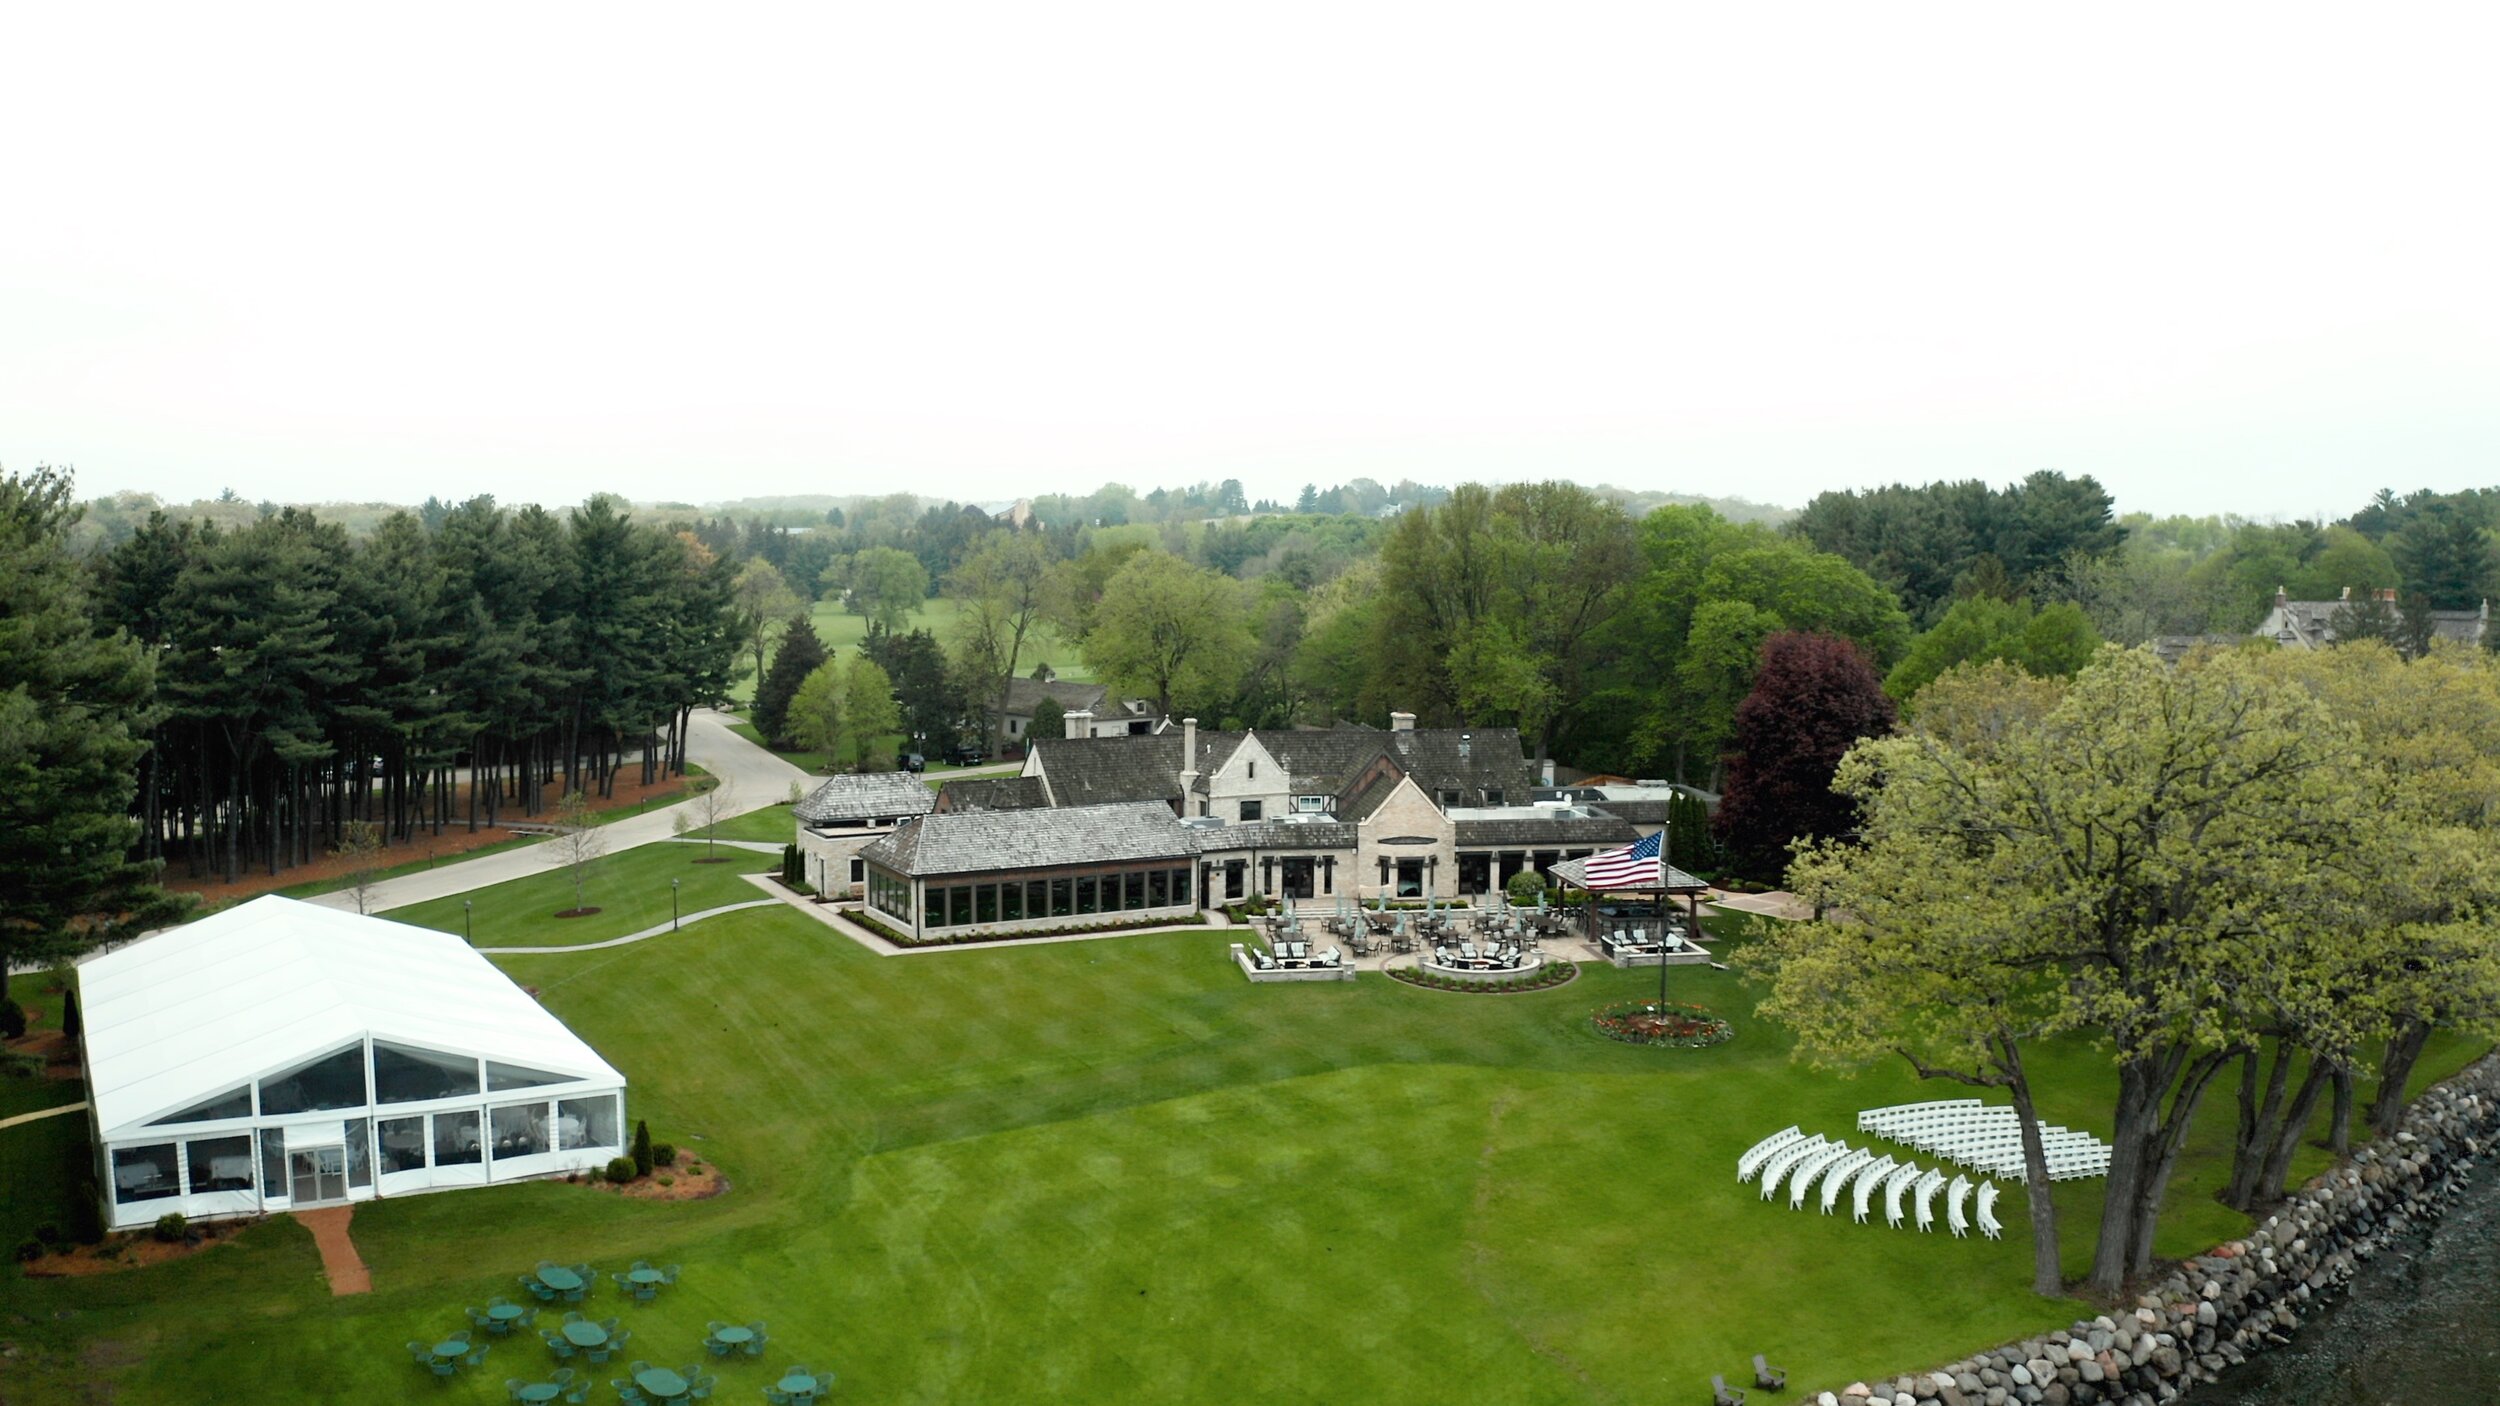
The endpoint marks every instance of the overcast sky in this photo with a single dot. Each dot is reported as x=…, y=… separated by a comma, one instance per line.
x=2225, y=261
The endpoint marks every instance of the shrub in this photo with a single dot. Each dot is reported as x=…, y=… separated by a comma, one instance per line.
x=642, y=1148
x=12, y=1020
x=49, y=1233
x=668, y=1181
x=664, y=1154
x=621, y=1170
x=29, y=1251
x=1524, y=887
x=72, y=1023
x=172, y=1226
x=1647, y=1023
x=86, y=1210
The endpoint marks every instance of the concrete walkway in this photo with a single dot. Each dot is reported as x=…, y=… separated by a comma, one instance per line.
x=759, y=846
x=687, y=921
x=756, y=779
x=45, y=1113
x=339, y=1260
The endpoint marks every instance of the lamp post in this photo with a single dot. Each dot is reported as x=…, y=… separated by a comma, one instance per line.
x=1664, y=897
x=465, y=906
x=672, y=905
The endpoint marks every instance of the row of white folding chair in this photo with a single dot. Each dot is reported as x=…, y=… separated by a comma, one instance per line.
x=1927, y=1188
x=1900, y=1180
x=1987, y=1211
x=1811, y=1168
x=1837, y=1177
x=1956, y=1196
x=1761, y=1152
x=1787, y=1157
x=1869, y=1177
x=1876, y=1119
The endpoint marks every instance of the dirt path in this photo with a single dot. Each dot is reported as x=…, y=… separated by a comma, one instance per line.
x=339, y=1260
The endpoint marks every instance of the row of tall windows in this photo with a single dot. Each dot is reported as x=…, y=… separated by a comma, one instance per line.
x=1069, y=896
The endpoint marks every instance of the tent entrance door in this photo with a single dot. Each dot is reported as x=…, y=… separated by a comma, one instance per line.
x=317, y=1174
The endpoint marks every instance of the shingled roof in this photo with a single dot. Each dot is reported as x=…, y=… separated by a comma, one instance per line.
x=1557, y=828
x=1086, y=771
x=1323, y=762
x=877, y=795
x=1276, y=834
x=991, y=793
x=987, y=841
x=1024, y=695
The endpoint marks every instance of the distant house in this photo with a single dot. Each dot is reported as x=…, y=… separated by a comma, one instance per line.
x=2310, y=624
x=1103, y=715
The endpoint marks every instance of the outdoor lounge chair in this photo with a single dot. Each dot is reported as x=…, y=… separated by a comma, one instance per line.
x=1720, y=1395
x=1768, y=1377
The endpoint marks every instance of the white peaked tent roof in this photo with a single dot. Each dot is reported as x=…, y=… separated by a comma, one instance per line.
x=273, y=983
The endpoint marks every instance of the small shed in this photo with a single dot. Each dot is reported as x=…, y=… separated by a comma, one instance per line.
x=281, y=1055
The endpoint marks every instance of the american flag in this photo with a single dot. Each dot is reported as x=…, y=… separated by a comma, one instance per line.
x=1633, y=866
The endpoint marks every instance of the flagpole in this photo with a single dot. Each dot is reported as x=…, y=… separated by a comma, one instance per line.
x=1666, y=834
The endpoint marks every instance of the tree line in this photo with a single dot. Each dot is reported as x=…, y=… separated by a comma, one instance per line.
x=413, y=679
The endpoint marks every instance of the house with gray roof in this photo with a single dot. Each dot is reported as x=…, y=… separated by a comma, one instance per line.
x=1086, y=710
x=2311, y=624
x=844, y=813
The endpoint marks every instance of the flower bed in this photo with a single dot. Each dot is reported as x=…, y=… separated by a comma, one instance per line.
x=1646, y=1023
x=1552, y=974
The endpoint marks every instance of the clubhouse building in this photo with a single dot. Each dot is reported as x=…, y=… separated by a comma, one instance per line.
x=1155, y=826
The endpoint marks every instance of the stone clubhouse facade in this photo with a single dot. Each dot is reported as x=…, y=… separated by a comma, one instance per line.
x=1155, y=827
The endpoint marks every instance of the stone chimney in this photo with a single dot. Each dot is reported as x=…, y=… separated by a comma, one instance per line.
x=1549, y=773
x=2387, y=594
x=1401, y=722
x=1080, y=722
x=1189, y=761
x=2281, y=598
x=2345, y=594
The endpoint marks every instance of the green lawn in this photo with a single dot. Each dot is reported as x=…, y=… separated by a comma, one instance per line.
x=842, y=631
x=773, y=823
x=1113, y=1170
x=630, y=890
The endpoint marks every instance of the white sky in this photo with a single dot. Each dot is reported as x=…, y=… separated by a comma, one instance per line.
x=2226, y=260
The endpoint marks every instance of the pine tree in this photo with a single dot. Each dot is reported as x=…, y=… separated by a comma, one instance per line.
x=642, y=1148
x=73, y=1024
x=800, y=654
x=75, y=712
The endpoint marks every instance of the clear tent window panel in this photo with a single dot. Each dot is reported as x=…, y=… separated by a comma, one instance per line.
x=220, y=1163
x=520, y=1076
x=406, y=1074
x=359, y=1152
x=233, y=1103
x=145, y=1173
x=588, y=1122
x=520, y=1129
x=332, y=1081
x=456, y=1142
x=403, y=1144
x=272, y=1162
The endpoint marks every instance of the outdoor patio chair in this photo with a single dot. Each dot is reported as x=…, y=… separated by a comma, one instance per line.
x=512, y=1388
x=476, y=1357
x=556, y=1342
x=755, y=1345
x=669, y=1274
x=445, y=1367
x=422, y=1355
x=611, y=1324
x=637, y=1367
x=627, y=1392
x=1720, y=1395
x=700, y=1388
x=537, y=1290
x=1768, y=1377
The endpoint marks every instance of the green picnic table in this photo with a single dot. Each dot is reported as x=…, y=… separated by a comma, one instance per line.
x=661, y=1382
x=581, y=1332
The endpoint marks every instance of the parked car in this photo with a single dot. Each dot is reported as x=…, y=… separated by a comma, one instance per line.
x=963, y=754
x=911, y=761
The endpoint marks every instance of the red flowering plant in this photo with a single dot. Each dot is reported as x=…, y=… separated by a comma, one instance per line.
x=1649, y=1023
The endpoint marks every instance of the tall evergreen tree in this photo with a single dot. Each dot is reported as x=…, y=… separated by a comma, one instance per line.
x=75, y=711
x=800, y=654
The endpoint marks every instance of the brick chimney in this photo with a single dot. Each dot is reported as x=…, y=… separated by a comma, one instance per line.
x=1189, y=761
x=2387, y=594
x=1079, y=722
x=1401, y=722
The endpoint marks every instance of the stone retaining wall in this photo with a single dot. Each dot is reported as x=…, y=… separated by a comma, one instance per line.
x=2215, y=1310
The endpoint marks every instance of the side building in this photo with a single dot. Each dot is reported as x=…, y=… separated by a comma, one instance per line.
x=839, y=818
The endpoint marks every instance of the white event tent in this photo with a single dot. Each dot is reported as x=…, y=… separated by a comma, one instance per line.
x=281, y=1055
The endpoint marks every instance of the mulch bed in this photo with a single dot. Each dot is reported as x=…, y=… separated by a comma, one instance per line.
x=578, y=912
x=684, y=1184
x=135, y=1249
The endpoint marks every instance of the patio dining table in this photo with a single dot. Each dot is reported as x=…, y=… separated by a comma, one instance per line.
x=735, y=1336
x=536, y=1392
x=581, y=1332
x=560, y=1279
x=661, y=1383
x=505, y=1312
x=645, y=1276
x=802, y=1387
x=450, y=1347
